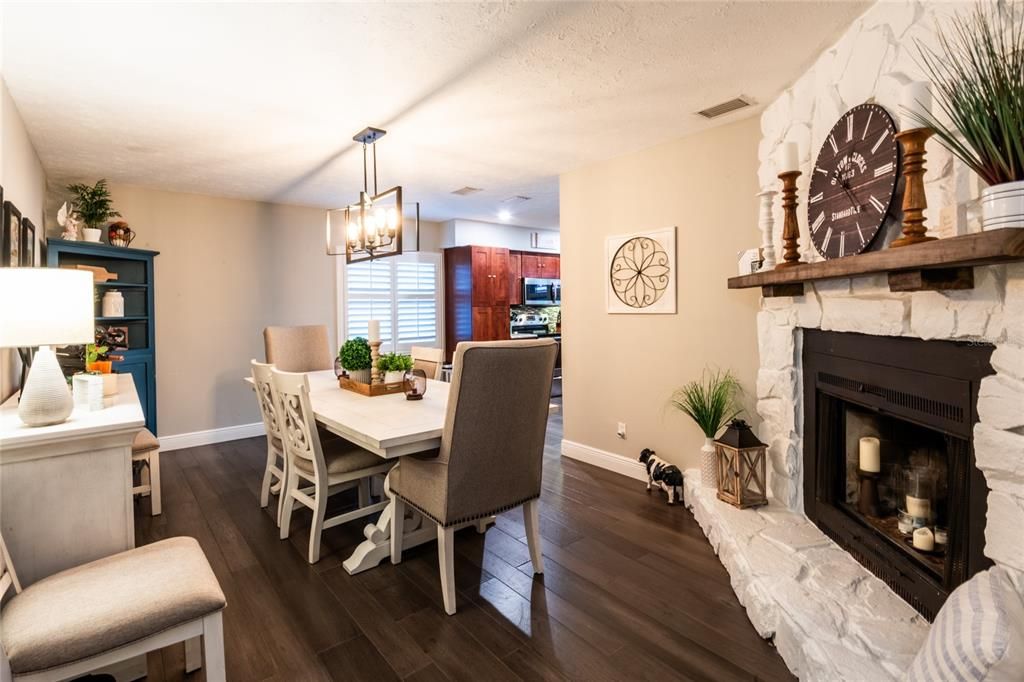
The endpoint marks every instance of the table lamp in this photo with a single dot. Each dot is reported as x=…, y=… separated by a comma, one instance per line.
x=45, y=307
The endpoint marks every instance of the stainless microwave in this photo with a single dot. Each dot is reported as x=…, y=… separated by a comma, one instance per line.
x=537, y=291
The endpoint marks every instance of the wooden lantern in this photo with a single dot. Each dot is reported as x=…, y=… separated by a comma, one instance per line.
x=742, y=475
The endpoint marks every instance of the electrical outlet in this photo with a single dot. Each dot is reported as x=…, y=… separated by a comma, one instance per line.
x=621, y=430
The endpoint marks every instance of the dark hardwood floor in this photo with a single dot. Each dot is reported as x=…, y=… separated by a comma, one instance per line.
x=631, y=589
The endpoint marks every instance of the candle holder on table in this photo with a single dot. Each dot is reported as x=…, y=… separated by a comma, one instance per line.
x=375, y=377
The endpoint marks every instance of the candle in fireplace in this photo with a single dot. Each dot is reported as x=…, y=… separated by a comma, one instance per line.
x=870, y=454
x=919, y=507
x=924, y=540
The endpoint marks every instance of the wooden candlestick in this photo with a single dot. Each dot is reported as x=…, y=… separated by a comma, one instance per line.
x=867, y=502
x=375, y=377
x=790, y=227
x=914, y=200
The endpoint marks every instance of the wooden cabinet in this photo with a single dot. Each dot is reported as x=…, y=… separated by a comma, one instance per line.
x=542, y=265
x=491, y=323
x=490, y=275
x=515, y=278
x=477, y=296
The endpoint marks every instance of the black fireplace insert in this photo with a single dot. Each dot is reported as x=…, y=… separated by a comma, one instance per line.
x=889, y=470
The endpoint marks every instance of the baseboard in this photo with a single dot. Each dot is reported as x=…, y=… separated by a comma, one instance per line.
x=191, y=440
x=604, y=459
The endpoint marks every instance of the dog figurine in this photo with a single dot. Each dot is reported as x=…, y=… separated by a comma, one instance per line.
x=662, y=474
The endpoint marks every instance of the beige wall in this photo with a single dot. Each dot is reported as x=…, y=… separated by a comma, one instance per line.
x=625, y=367
x=24, y=183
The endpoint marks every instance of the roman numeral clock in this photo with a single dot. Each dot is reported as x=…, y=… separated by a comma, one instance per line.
x=853, y=182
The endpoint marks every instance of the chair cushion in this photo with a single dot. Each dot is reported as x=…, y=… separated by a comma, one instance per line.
x=978, y=634
x=342, y=457
x=106, y=604
x=144, y=441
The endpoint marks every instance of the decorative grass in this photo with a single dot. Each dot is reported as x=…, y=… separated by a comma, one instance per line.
x=712, y=402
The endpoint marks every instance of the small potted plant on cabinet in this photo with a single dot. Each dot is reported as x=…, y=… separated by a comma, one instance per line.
x=93, y=207
x=712, y=402
x=99, y=360
x=394, y=366
x=355, y=359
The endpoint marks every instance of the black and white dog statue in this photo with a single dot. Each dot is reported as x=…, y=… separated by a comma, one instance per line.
x=662, y=474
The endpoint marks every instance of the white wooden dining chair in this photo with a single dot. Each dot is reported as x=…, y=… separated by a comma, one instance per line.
x=428, y=359
x=330, y=467
x=274, y=474
x=111, y=610
x=146, y=450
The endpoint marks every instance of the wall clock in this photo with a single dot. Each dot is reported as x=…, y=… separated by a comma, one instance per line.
x=853, y=182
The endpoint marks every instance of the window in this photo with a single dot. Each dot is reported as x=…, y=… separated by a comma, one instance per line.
x=403, y=292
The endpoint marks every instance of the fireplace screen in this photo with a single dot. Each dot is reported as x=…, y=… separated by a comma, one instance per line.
x=889, y=465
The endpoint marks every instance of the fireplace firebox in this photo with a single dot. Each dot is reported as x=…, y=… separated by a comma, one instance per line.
x=915, y=403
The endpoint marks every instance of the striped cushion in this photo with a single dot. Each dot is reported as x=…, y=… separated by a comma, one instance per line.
x=978, y=634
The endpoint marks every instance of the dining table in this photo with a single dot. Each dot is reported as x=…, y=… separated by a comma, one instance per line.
x=389, y=426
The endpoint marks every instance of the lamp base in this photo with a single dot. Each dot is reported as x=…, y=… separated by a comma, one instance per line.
x=45, y=398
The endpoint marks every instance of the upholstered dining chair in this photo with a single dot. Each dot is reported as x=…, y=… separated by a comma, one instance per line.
x=274, y=474
x=427, y=359
x=110, y=610
x=298, y=349
x=329, y=466
x=492, y=449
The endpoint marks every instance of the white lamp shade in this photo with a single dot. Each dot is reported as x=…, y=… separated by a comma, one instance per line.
x=45, y=307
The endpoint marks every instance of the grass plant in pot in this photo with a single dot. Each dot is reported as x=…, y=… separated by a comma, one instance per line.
x=711, y=402
x=93, y=208
x=355, y=358
x=394, y=366
x=977, y=69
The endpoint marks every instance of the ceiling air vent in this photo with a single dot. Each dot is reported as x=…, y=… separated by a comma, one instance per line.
x=725, y=107
x=517, y=199
x=466, y=191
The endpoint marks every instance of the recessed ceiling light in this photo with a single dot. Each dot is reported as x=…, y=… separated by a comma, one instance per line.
x=505, y=214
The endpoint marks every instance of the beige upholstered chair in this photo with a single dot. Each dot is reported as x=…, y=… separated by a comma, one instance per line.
x=328, y=466
x=274, y=474
x=146, y=449
x=492, y=449
x=113, y=609
x=298, y=349
x=428, y=359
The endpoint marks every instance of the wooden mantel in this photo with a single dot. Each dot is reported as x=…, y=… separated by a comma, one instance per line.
x=943, y=264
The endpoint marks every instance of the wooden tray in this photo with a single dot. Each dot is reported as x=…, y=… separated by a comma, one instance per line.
x=369, y=389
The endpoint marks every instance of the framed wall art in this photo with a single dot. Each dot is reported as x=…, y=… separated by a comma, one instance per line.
x=640, y=272
x=28, y=243
x=11, y=242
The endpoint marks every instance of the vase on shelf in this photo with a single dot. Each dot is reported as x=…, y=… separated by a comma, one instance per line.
x=1002, y=205
x=91, y=234
x=708, y=465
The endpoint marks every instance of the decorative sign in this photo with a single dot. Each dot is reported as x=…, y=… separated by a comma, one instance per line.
x=641, y=272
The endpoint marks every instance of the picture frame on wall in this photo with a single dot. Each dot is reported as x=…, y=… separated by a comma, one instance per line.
x=640, y=272
x=28, y=243
x=11, y=242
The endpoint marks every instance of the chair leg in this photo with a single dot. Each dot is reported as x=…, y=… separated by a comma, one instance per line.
x=446, y=558
x=316, y=529
x=292, y=482
x=213, y=647
x=397, y=529
x=267, y=475
x=193, y=654
x=154, y=482
x=531, y=518
x=282, y=489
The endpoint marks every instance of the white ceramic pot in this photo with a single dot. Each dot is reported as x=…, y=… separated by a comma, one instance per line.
x=708, y=464
x=91, y=234
x=113, y=304
x=1002, y=206
x=360, y=375
x=394, y=377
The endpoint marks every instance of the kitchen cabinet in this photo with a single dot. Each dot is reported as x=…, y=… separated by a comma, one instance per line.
x=541, y=265
x=477, y=295
x=515, y=278
x=491, y=323
x=490, y=275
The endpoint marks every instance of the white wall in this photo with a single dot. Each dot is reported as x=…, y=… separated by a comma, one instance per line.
x=475, y=233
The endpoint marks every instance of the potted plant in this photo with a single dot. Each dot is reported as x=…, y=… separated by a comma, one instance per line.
x=99, y=360
x=93, y=207
x=355, y=358
x=978, y=72
x=711, y=402
x=394, y=366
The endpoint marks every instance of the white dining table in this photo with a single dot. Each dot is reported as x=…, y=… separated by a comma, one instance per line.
x=391, y=427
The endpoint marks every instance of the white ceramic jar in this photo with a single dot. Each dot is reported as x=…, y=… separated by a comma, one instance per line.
x=113, y=304
x=1002, y=206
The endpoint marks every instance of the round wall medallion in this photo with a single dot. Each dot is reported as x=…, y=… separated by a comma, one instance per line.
x=640, y=272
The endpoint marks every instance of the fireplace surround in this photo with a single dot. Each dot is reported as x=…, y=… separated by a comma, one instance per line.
x=920, y=397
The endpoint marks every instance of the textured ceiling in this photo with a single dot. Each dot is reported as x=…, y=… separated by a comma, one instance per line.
x=260, y=101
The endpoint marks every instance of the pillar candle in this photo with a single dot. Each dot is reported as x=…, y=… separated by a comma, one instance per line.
x=924, y=540
x=916, y=99
x=870, y=454
x=374, y=330
x=919, y=507
x=789, y=157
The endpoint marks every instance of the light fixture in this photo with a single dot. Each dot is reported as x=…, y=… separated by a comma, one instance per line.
x=505, y=215
x=44, y=307
x=372, y=227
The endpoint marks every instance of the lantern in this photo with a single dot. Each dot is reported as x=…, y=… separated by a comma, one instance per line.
x=742, y=478
x=415, y=384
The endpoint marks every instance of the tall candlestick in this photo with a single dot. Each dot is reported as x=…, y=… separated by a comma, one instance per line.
x=790, y=226
x=789, y=157
x=375, y=375
x=767, y=224
x=374, y=330
x=915, y=104
x=914, y=199
x=870, y=454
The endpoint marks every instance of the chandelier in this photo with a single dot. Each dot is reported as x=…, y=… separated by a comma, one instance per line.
x=372, y=227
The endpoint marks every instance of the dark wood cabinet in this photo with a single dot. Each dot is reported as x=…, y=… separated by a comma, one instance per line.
x=515, y=278
x=542, y=265
x=477, y=295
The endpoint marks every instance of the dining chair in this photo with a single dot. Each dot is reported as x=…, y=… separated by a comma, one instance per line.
x=298, y=349
x=146, y=449
x=274, y=474
x=427, y=359
x=330, y=466
x=492, y=450
x=111, y=610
